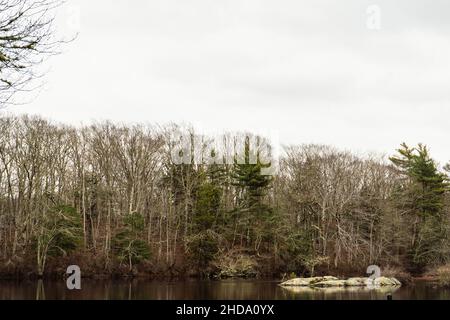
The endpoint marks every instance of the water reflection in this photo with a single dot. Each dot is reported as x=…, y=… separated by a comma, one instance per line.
x=195, y=289
x=341, y=292
x=40, y=290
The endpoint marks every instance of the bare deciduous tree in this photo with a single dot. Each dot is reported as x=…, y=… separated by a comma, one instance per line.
x=26, y=39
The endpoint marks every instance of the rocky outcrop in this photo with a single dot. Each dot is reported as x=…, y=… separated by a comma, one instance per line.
x=383, y=281
x=358, y=282
x=330, y=282
x=324, y=291
x=307, y=282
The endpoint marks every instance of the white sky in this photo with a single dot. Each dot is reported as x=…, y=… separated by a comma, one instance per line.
x=311, y=71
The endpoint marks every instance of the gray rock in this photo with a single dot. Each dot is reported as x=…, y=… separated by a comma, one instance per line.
x=306, y=282
x=384, y=281
x=330, y=283
x=334, y=290
x=357, y=282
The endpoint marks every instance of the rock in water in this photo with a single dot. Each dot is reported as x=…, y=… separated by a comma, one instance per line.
x=306, y=282
x=330, y=283
x=384, y=281
x=357, y=282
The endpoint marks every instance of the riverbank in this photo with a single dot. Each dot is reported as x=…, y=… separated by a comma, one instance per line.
x=150, y=271
x=93, y=267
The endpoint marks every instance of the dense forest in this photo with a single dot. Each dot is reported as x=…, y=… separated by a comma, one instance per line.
x=111, y=199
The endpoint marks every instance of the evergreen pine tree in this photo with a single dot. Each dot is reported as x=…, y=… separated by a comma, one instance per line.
x=254, y=214
x=127, y=242
x=202, y=245
x=423, y=197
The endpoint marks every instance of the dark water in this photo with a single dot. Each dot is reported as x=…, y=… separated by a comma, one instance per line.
x=194, y=289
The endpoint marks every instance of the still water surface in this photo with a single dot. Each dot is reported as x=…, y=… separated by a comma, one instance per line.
x=195, y=289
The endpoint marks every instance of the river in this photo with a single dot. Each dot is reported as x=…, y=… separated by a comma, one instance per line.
x=196, y=289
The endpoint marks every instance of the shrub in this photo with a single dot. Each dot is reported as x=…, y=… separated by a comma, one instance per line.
x=127, y=244
x=396, y=272
x=202, y=247
x=443, y=275
x=59, y=232
x=232, y=264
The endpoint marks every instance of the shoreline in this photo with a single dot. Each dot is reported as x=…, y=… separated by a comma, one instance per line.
x=172, y=278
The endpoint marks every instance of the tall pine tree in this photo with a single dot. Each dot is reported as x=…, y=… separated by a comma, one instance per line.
x=423, y=198
x=252, y=212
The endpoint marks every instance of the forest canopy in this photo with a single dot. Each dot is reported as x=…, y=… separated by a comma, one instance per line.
x=110, y=198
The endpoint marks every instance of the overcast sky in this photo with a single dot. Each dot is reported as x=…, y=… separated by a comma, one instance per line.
x=311, y=71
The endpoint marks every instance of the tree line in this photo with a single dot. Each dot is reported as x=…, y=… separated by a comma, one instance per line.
x=110, y=198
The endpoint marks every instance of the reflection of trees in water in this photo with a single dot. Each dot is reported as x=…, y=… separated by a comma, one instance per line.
x=40, y=290
x=120, y=289
x=129, y=290
x=105, y=290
